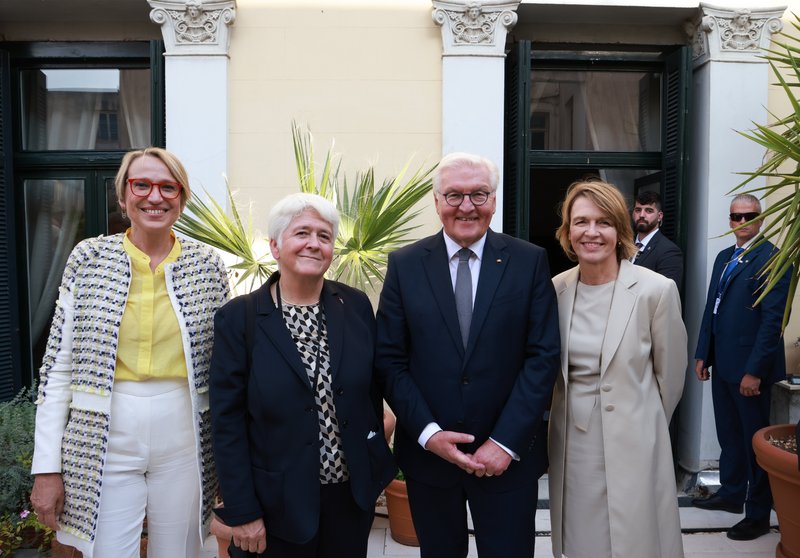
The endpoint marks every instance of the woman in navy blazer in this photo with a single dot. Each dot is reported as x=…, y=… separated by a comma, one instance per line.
x=297, y=423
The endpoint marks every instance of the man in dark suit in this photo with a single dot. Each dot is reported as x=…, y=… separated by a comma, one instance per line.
x=742, y=344
x=656, y=251
x=467, y=351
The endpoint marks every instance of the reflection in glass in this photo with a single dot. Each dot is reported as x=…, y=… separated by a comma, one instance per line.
x=54, y=217
x=116, y=222
x=595, y=111
x=86, y=109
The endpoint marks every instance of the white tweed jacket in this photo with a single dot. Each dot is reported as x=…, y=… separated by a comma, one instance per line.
x=77, y=373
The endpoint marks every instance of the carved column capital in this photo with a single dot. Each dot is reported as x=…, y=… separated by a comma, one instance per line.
x=734, y=35
x=474, y=27
x=194, y=27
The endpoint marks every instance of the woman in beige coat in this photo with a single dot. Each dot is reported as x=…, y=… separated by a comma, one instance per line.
x=623, y=363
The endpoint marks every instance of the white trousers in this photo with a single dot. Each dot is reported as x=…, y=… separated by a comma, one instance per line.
x=151, y=467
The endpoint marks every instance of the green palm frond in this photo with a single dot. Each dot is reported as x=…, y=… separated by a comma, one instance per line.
x=781, y=140
x=207, y=221
x=374, y=220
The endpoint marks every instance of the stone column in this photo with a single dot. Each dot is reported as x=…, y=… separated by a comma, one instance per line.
x=730, y=87
x=196, y=38
x=473, y=56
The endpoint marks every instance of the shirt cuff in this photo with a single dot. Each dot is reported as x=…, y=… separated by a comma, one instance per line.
x=427, y=432
x=513, y=455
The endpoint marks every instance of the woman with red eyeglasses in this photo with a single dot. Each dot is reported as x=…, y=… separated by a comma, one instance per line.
x=122, y=425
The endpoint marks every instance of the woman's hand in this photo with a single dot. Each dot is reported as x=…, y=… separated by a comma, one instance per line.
x=47, y=498
x=251, y=537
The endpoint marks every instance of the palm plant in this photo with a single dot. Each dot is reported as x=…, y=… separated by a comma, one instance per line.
x=209, y=222
x=781, y=140
x=374, y=221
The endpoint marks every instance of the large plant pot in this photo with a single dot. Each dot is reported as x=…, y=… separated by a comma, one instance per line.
x=784, y=479
x=401, y=526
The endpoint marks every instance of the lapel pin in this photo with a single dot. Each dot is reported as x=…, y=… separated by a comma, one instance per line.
x=499, y=260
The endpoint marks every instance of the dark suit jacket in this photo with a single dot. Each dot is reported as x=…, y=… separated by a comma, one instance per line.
x=500, y=386
x=663, y=256
x=748, y=338
x=264, y=421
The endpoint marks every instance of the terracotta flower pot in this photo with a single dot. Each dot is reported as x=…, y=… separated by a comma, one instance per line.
x=784, y=479
x=400, y=524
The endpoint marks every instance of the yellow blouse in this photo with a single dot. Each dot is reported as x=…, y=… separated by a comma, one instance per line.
x=149, y=335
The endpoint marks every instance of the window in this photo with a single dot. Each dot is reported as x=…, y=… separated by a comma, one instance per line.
x=574, y=114
x=77, y=108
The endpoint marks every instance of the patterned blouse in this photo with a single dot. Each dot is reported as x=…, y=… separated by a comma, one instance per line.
x=307, y=326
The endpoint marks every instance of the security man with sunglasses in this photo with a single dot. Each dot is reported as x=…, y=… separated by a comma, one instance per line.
x=742, y=344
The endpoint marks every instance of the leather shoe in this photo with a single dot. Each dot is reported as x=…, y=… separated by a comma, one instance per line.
x=717, y=503
x=748, y=529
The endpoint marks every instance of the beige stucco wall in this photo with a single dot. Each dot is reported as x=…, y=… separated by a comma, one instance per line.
x=365, y=73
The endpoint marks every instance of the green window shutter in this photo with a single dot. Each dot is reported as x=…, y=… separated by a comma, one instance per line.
x=10, y=369
x=516, y=168
x=674, y=142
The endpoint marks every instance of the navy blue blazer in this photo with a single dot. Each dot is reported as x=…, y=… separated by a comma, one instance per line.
x=748, y=338
x=264, y=421
x=500, y=386
x=663, y=256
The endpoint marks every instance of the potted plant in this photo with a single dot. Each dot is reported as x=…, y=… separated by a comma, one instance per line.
x=776, y=453
x=401, y=525
x=19, y=527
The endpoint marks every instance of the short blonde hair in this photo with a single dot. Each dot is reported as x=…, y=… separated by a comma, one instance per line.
x=175, y=167
x=610, y=201
x=283, y=212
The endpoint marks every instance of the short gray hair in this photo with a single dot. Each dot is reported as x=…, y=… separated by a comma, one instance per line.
x=284, y=212
x=750, y=198
x=457, y=160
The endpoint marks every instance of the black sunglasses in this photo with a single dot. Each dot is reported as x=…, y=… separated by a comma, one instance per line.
x=736, y=217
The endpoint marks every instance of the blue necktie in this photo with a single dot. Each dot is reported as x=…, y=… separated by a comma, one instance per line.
x=726, y=273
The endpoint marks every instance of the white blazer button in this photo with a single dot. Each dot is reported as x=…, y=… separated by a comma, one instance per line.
x=609, y=407
x=606, y=387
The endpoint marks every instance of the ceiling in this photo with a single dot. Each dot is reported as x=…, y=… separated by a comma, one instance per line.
x=73, y=10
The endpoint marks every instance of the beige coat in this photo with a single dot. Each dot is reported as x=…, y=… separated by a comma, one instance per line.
x=643, y=367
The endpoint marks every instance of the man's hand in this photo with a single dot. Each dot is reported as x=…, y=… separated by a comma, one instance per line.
x=750, y=385
x=47, y=498
x=251, y=537
x=701, y=371
x=443, y=444
x=494, y=458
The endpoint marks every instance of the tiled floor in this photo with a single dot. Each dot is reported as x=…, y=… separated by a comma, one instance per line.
x=703, y=537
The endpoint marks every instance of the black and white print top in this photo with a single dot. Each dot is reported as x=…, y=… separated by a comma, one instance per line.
x=306, y=324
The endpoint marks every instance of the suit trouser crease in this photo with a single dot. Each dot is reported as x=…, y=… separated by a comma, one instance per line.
x=737, y=418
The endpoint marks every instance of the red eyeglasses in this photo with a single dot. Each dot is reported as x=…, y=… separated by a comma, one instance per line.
x=141, y=188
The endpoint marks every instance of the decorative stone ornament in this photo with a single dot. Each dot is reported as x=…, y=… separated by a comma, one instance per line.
x=474, y=27
x=738, y=35
x=193, y=26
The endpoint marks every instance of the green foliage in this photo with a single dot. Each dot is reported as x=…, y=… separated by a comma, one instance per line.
x=782, y=167
x=374, y=221
x=16, y=451
x=209, y=222
x=18, y=526
x=23, y=530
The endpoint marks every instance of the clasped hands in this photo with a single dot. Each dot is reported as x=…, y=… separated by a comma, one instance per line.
x=490, y=459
